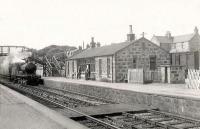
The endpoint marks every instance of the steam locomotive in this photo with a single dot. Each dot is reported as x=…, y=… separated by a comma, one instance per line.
x=25, y=73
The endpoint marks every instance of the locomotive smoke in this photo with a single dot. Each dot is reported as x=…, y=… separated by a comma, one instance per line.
x=12, y=58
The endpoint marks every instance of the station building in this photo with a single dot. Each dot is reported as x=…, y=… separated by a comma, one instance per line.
x=184, y=49
x=111, y=62
x=184, y=53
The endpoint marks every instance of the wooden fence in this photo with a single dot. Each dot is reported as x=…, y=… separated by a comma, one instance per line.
x=141, y=76
x=135, y=76
x=193, y=79
x=152, y=76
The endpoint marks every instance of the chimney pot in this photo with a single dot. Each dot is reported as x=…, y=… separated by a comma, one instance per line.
x=130, y=29
x=130, y=36
x=196, y=30
x=92, y=43
x=168, y=34
x=98, y=44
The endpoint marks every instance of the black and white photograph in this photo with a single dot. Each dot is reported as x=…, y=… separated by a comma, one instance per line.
x=99, y=64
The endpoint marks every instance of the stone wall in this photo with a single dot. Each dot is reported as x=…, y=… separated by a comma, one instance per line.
x=186, y=106
x=194, y=43
x=142, y=50
x=177, y=74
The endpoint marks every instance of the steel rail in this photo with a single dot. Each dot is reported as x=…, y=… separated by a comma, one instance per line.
x=56, y=102
x=152, y=122
x=133, y=126
x=78, y=93
x=91, y=101
x=168, y=116
x=194, y=121
x=66, y=97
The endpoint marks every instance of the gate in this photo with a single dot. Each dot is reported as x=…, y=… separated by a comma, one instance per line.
x=193, y=79
x=152, y=76
x=141, y=76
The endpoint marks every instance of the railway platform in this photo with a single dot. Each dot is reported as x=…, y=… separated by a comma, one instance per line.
x=154, y=88
x=20, y=112
x=173, y=98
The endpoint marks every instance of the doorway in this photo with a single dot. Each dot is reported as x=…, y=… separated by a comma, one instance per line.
x=166, y=75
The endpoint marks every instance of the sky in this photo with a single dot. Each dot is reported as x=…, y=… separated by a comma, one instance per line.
x=40, y=23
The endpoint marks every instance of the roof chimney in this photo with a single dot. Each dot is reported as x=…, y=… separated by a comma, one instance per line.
x=130, y=29
x=130, y=36
x=92, y=39
x=87, y=46
x=196, y=31
x=92, y=43
x=98, y=44
x=168, y=34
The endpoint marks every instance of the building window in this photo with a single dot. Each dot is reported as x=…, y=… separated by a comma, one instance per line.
x=100, y=67
x=108, y=67
x=134, y=62
x=152, y=62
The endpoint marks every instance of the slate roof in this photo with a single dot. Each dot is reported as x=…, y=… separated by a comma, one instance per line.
x=164, y=39
x=175, y=39
x=183, y=38
x=101, y=51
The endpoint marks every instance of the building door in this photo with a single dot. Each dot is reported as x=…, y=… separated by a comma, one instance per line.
x=89, y=70
x=166, y=77
x=196, y=60
x=100, y=67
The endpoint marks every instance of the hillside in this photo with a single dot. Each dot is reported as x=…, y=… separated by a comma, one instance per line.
x=53, y=49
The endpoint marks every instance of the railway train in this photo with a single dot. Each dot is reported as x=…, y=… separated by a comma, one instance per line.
x=24, y=73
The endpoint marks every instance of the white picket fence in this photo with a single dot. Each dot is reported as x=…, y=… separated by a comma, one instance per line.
x=193, y=79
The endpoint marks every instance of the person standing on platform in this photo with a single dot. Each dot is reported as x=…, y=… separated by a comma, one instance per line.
x=87, y=73
x=79, y=73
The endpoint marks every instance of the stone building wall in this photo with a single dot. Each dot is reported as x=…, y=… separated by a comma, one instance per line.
x=194, y=43
x=177, y=74
x=142, y=50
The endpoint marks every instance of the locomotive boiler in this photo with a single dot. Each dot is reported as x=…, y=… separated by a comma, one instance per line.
x=25, y=73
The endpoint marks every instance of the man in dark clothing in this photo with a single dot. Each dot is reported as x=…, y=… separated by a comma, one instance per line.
x=79, y=73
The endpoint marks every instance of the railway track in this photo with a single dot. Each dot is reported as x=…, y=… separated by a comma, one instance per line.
x=41, y=96
x=91, y=99
x=148, y=119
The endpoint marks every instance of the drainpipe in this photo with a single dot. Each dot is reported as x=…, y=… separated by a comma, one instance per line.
x=112, y=68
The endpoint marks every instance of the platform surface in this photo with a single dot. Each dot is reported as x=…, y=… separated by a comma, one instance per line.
x=180, y=90
x=20, y=112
